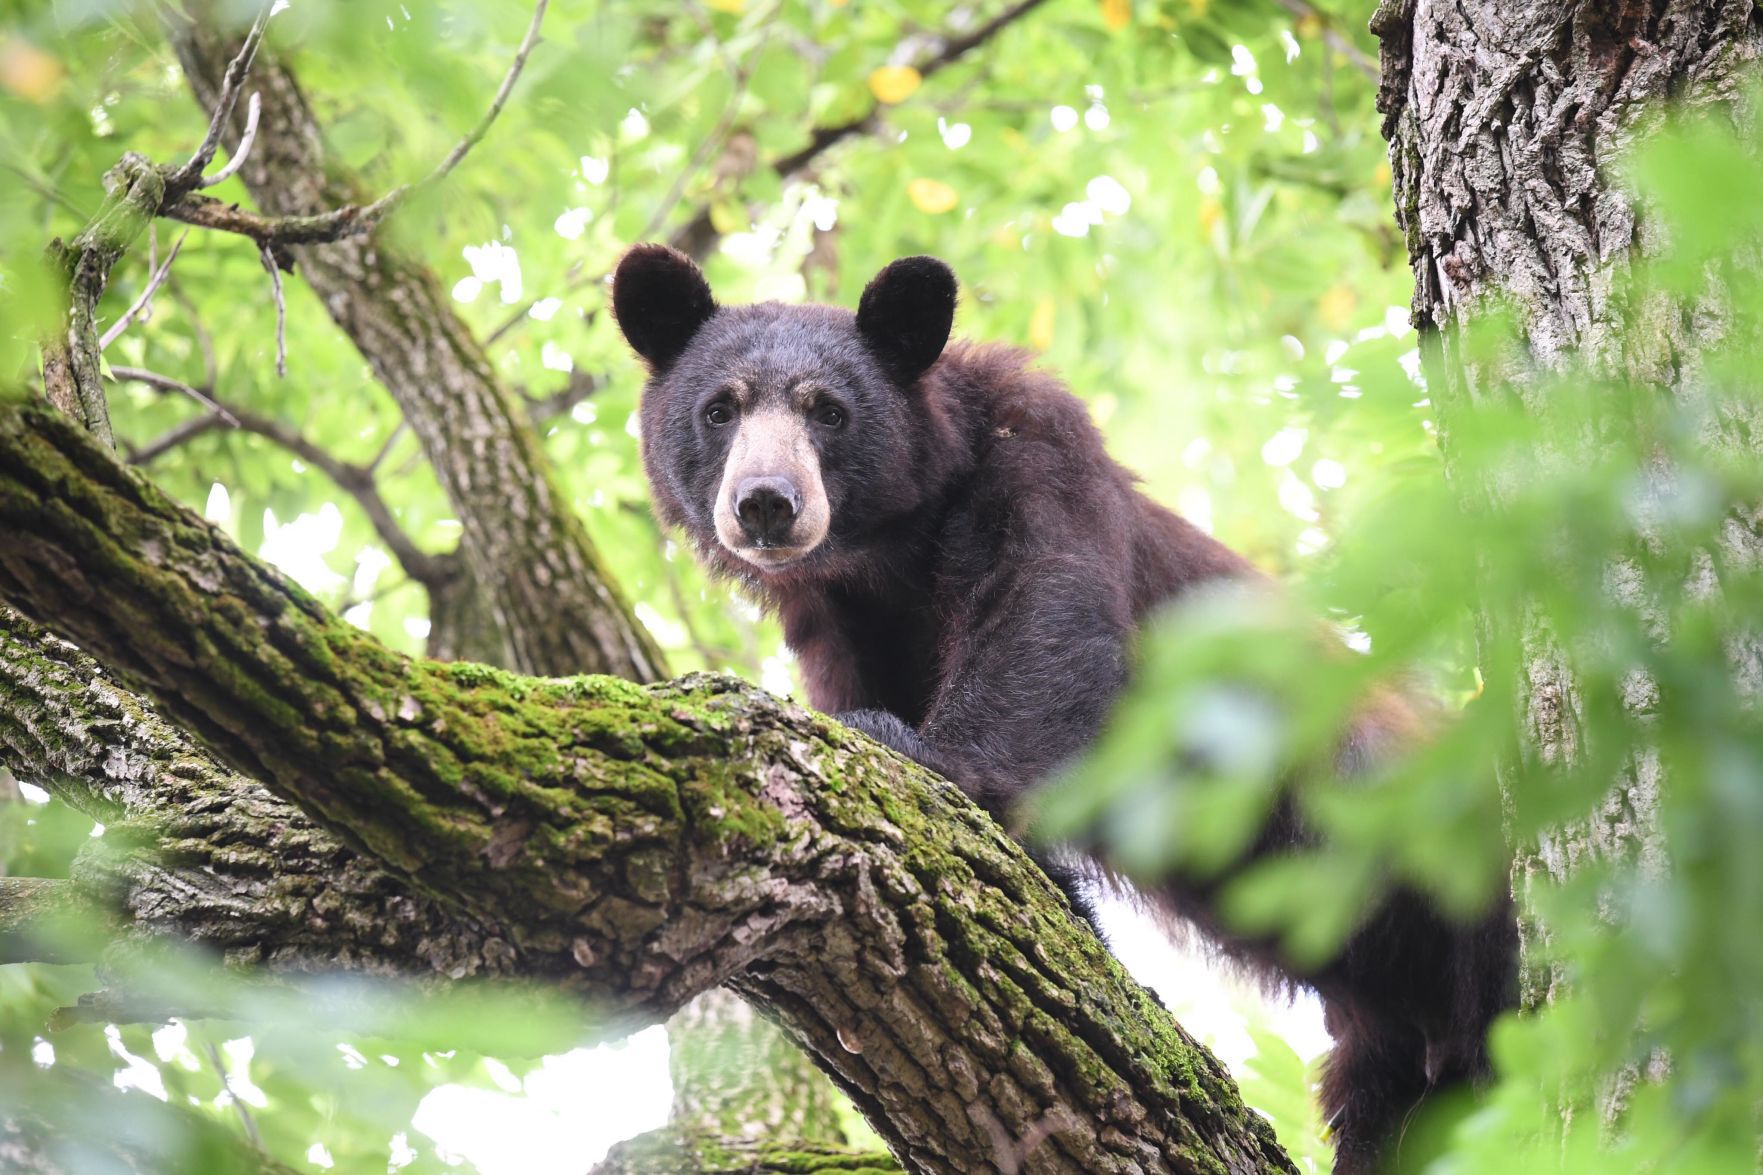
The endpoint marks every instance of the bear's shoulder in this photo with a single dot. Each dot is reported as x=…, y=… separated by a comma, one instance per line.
x=1022, y=417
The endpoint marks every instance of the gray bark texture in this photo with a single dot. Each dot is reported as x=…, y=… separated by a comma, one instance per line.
x=1508, y=121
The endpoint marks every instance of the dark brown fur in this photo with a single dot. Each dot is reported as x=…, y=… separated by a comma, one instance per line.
x=975, y=605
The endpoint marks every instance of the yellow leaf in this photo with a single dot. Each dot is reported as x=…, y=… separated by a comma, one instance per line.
x=734, y=6
x=1309, y=26
x=1211, y=213
x=1116, y=14
x=1336, y=306
x=1381, y=175
x=1040, y=325
x=728, y=217
x=932, y=196
x=28, y=71
x=894, y=83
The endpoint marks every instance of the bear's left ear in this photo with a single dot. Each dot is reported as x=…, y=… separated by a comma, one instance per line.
x=660, y=299
x=905, y=314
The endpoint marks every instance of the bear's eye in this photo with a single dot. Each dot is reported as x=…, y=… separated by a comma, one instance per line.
x=830, y=415
x=719, y=414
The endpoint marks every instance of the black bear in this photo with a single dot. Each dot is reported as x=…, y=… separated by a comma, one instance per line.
x=960, y=568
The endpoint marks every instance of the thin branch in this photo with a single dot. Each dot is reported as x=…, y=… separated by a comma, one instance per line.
x=274, y=232
x=507, y=87
x=46, y=191
x=175, y=437
x=252, y=113
x=385, y=448
x=281, y=311
x=356, y=480
x=953, y=49
x=166, y=383
x=696, y=235
x=154, y=281
x=1331, y=33
x=226, y=1084
x=581, y=387
x=190, y=174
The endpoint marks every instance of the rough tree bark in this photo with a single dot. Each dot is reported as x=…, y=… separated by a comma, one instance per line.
x=1507, y=120
x=664, y=840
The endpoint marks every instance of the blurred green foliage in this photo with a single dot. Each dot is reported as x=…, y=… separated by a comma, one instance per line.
x=1585, y=593
x=1184, y=205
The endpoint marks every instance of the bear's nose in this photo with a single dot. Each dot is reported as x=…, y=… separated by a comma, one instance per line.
x=767, y=508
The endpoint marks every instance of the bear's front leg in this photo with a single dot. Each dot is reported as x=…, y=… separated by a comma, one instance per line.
x=889, y=730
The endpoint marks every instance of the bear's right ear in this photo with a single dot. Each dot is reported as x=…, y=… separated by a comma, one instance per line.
x=905, y=314
x=660, y=299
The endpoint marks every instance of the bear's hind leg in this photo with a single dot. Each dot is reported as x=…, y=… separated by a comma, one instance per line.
x=1373, y=1079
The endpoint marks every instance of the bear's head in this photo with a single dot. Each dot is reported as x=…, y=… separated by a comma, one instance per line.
x=783, y=435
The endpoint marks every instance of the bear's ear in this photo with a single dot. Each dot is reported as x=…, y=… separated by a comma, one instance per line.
x=660, y=299
x=905, y=314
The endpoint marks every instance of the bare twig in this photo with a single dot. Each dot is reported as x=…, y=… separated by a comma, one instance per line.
x=356, y=480
x=273, y=232
x=154, y=281
x=502, y=92
x=189, y=176
x=281, y=311
x=226, y=1084
x=166, y=383
x=174, y=437
x=379, y=458
x=252, y=113
x=1337, y=40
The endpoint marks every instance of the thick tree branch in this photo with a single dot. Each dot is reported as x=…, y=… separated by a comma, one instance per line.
x=199, y=852
x=668, y=839
x=40, y=918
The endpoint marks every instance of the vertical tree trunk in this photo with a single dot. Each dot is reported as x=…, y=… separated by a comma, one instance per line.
x=1507, y=120
x=556, y=608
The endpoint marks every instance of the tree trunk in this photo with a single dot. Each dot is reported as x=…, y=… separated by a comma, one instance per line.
x=1507, y=121
x=557, y=609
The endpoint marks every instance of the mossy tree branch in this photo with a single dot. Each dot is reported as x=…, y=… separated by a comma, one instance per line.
x=72, y=373
x=665, y=839
x=199, y=852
